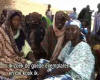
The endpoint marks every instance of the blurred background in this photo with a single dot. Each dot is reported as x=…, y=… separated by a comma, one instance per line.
x=27, y=6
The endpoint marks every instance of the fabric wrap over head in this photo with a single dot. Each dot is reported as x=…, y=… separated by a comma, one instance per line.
x=11, y=13
x=7, y=28
x=58, y=32
x=78, y=24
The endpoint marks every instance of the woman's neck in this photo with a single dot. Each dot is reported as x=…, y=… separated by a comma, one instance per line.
x=36, y=46
x=75, y=42
x=14, y=31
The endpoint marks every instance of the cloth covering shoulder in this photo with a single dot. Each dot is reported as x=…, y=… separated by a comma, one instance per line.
x=80, y=59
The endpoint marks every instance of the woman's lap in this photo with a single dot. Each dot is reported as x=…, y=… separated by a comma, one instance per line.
x=59, y=77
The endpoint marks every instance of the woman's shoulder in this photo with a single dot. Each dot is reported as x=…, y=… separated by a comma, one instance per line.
x=2, y=30
x=84, y=46
x=22, y=33
x=3, y=34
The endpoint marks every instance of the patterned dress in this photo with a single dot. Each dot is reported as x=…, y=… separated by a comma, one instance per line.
x=81, y=61
x=8, y=57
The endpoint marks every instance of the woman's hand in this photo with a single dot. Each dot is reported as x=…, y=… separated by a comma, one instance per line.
x=42, y=73
x=31, y=57
x=59, y=71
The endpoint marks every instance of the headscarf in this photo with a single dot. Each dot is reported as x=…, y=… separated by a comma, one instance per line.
x=9, y=54
x=78, y=24
x=7, y=27
x=34, y=21
x=60, y=38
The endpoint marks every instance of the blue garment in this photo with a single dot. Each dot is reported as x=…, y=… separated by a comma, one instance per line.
x=73, y=15
x=84, y=30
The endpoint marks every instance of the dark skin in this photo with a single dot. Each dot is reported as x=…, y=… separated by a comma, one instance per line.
x=49, y=6
x=74, y=9
x=59, y=23
x=74, y=33
x=30, y=56
x=34, y=23
x=33, y=42
x=5, y=12
x=88, y=8
x=98, y=8
x=33, y=19
x=60, y=19
x=84, y=23
x=15, y=22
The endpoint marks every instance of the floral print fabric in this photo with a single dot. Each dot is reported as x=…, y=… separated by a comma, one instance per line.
x=80, y=60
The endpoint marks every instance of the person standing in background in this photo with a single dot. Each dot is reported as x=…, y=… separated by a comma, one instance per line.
x=85, y=14
x=73, y=15
x=49, y=12
x=97, y=21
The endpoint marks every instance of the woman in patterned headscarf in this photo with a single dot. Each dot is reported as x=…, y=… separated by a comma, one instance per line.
x=9, y=49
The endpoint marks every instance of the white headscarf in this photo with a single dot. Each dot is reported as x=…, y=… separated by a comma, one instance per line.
x=78, y=24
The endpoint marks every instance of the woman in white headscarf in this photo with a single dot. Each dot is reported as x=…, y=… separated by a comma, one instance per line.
x=77, y=55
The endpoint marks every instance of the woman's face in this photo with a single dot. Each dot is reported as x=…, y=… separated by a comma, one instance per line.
x=72, y=33
x=60, y=20
x=16, y=21
x=59, y=23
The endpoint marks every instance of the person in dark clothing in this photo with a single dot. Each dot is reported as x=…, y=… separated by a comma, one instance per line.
x=85, y=14
x=36, y=33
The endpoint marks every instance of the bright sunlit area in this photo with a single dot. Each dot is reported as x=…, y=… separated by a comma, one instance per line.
x=27, y=6
x=69, y=4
